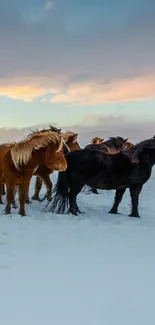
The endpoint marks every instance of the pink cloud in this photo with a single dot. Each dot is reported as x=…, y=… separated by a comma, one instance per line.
x=138, y=88
x=80, y=93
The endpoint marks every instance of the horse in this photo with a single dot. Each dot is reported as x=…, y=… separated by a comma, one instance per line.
x=130, y=168
x=96, y=140
x=50, y=129
x=43, y=171
x=19, y=161
x=112, y=146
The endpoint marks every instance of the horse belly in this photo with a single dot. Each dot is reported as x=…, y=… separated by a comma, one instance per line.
x=108, y=183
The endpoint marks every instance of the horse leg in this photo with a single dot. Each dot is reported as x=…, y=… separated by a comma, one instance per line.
x=28, y=201
x=23, y=188
x=3, y=189
x=38, y=185
x=13, y=200
x=74, y=191
x=73, y=209
x=48, y=184
x=118, y=198
x=9, y=196
x=94, y=190
x=134, y=193
x=1, y=193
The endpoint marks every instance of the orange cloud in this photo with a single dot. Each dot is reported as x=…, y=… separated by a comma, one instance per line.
x=27, y=89
x=139, y=88
x=82, y=93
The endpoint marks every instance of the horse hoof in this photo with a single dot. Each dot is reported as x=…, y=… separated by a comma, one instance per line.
x=34, y=197
x=113, y=211
x=22, y=214
x=74, y=213
x=134, y=215
x=49, y=199
x=7, y=212
x=37, y=199
x=28, y=202
x=94, y=191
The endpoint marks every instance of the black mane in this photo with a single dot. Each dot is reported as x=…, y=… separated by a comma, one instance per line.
x=113, y=142
x=134, y=152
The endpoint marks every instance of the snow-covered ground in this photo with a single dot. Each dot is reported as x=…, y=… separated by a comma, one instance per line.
x=94, y=269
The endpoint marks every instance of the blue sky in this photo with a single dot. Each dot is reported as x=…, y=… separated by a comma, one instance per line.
x=76, y=63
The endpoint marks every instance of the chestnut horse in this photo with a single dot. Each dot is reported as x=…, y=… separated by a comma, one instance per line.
x=111, y=146
x=19, y=161
x=96, y=140
x=51, y=129
x=43, y=171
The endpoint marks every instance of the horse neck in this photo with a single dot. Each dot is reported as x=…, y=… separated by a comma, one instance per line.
x=149, y=157
x=38, y=158
x=72, y=146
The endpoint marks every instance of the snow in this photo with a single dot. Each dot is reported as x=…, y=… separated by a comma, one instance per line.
x=92, y=269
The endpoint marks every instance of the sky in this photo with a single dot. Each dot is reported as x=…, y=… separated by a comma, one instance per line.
x=83, y=65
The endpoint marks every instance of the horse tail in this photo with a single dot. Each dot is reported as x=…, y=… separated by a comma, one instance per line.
x=60, y=194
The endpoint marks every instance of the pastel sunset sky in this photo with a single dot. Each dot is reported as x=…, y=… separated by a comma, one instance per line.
x=80, y=64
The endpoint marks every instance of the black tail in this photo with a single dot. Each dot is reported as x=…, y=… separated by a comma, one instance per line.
x=60, y=194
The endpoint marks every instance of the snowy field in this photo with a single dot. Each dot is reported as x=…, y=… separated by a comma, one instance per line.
x=94, y=269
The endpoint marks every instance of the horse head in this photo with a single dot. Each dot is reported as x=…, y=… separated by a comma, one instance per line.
x=71, y=140
x=96, y=140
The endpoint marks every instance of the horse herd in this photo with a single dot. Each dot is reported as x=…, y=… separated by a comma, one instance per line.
x=115, y=164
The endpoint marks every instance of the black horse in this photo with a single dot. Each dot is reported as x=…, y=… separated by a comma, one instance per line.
x=129, y=168
x=112, y=146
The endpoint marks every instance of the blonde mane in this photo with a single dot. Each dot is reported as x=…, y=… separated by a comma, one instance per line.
x=96, y=140
x=21, y=152
x=69, y=135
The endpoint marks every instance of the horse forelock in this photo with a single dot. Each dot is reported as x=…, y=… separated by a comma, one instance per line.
x=21, y=152
x=66, y=148
x=69, y=136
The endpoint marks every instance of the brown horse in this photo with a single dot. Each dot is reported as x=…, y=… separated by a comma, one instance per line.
x=96, y=140
x=51, y=129
x=19, y=161
x=111, y=146
x=43, y=172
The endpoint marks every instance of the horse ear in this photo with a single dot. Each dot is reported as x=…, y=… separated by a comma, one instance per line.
x=74, y=138
x=125, y=140
x=102, y=140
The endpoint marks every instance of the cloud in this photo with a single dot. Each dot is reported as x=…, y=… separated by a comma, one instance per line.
x=51, y=46
x=85, y=62
x=80, y=93
x=92, y=125
x=139, y=88
x=49, y=5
